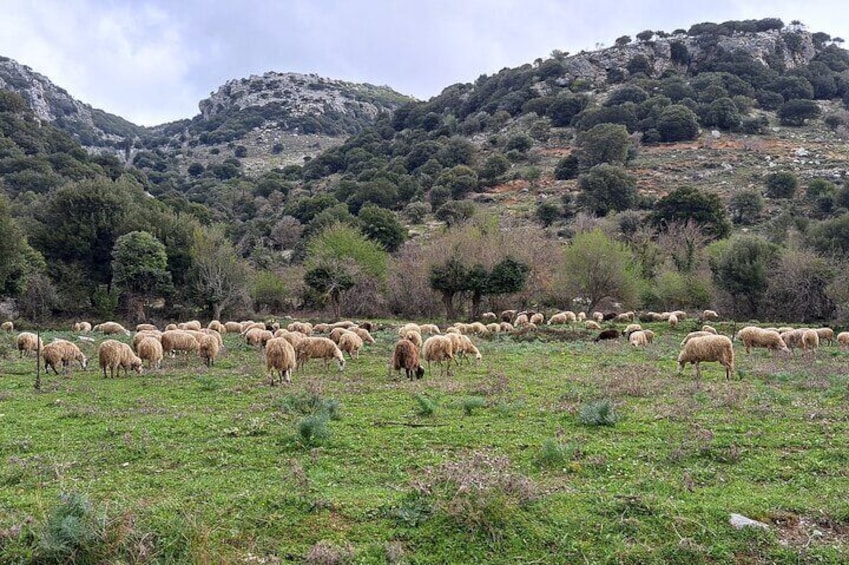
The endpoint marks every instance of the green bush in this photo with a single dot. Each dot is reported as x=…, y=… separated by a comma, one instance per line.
x=782, y=184
x=472, y=403
x=72, y=532
x=424, y=405
x=598, y=413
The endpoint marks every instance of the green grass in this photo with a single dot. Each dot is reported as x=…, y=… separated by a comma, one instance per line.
x=190, y=464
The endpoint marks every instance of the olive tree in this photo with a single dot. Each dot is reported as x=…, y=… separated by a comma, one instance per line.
x=140, y=270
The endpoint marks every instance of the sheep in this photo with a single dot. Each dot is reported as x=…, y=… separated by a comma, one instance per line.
x=171, y=327
x=581, y=317
x=82, y=327
x=431, y=329
x=592, y=325
x=320, y=328
x=506, y=326
x=709, y=329
x=598, y=317
x=811, y=340
x=477, y=328
x=149, y=349
x=146, y=327
x=638, y=338
x=27, y=342
x=489, y=317
x=521, y=320
x=319, y=348
x=192, y=325
x=562, y=318
x=215, y=334
x=301, y=327
x=62, y=352
x=336, y=334
x=351, y=344
x=233, y=327
x=624, y=317
x=631, y=328
x=115, y=355
x=280, y=357
x=345, y=324
x=508, y=315
x=753, y=336
x=367, y=326
x=465, y=346
x=672, y=320
x=437, y=349
x=208, y=348
x=217, y=326
x=607, y=334
x=692, y=335
x=157, y=335
x=537, y=319
x=825, y=334
x=363, y=334
x=783, y=329
x=109, y=328
x=708, y=348
x=407, y=327
x=649, y=335
x=406, y=356
x=178, y=340
x=413, y=336
x=843, y=339
x=7, y=326
x=256, y=336
x=493, y=328
x=710, y=315
x=248, y=326
x=680, y=314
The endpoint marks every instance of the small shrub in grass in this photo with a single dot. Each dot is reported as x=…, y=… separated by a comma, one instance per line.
x=553, y=454
x=73, y=532
x=311, y=404
x=313, y=430
x=328, y=553
x=471, y=403
x=598, y=413
x=208, y=384
x=424, y=405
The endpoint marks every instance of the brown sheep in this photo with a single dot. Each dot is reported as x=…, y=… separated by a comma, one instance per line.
x=208, y=348
x=82, y=327
x=280, y=356
x=708, y=348
x=149, y=349
x=233, y=327
x=178, y=340
x=115, y=355
x=109, y=328
x=256, y=336
x=62, y=352
x=217, y=326
x=319, y=348
x=28, y=342
x=406, y=356
x=437, y=349
x=351, y=344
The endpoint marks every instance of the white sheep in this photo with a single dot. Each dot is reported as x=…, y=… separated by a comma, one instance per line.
x=631, y=328
x=407, y=327
x=351, y=344
x=825, y=334
x=437, y=349
x=109, y=328
x=191, y=325
x=710, y=315
x=753, y=336
x=280, y=356
x=319, y=348
x=708, y=348
x=28, y=342
x=413, y=336
x=489, y=317
x=146, y=327
x=142, y=335
x=537, y=319
x=692, y=335
x=301, y=327
x=493, y=328
x=649, y=335
x=364, y=334
x=64, y=353
x=115, y=355
x=208, y=349
x=7, y=326
x=843, y=339
x=638, y=338
x=294, y=338
x=149, y=349
x=217, y=326
x=672, y=320
x=336, y=334
x=592, y=325
x=178, y=340
x=561, y=318
x=233, y=327
x=256, y=336
x=82, y=327
x=710, y=329
x=430, y=329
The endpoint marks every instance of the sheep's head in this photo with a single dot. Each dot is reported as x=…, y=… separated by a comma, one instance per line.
x=83, y=361
x=340, y=362
x=420, y=372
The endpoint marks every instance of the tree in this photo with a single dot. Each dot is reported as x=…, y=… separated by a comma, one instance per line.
x=596, y=267
x=381, y=225
x=677, y=123
x=746, y=206
x=800, y=292
x=140, y=270
x=795, y=112
x=12, y=249
x=565, y=107
x=547, y=213
x=218, y=279
x=622, y=40
x=688, y=203
x=455, y=211
x=830, y=236
x=331, y=279
x=606, y=188
x=820, y=187
x=723, y=114
x=740, y=267
x=449, y=279
x=566, y=168
x=495, y=166
x=603, y=143
x=645, y=35
x=781, y=184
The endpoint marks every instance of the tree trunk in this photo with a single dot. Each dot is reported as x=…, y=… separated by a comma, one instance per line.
x=137, y=304
x=448, y=300
x=216, y=311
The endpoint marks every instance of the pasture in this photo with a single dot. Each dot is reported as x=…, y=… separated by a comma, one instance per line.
x=552, y=449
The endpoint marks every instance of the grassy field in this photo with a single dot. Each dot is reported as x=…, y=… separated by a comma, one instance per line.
x=552, y=449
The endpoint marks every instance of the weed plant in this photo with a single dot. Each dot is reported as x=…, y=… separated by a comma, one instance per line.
x=598, y=413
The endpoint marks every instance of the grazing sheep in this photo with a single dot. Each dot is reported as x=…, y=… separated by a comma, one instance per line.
x=437, y=349
x=294, y=338
x=319, y=348
x=157, y=335
x=631, y=328
x=680, y=314
x=508, y=315
x=709, y=329
x=638, y=338
x=146, y=327
x=233, y=327
x=248, y=326
x=215, y=334
x=562, y=318
x=431, y=329
x=710, y=315
x=208, y=348
x=345, y=324
x=62, y=352
x=115, y=355
x=607, y=334
x=708, y=348
x=256, y=336
x=692, y=335
x=367, y=326
x=149, y=349
x=364, y=334
x=843, y=339
x=336, y=334
x=811, y=340
x=581, y=317
x=407, y=327
x=825, y=334
x=649, y=335
x=320, y=328
x=351, y=344
x=537, y=319
x=489, y=317
x=592, y=325
x=191, y=325
x=302, y=327
x=406, y=356
x=82, y=327
x=506, y=326
x=672, y=320
x=280, y=357
x=624, y=317
x=753, y=336
x=217, y=326
x=521, y=320
x=7, y=326
x=109, y=328
x=465, y=346
x=178, y=340
x=413, y=336
x=493, y=328
x=477, y=328
x=598, y=317
x=783, y=329
x=27, y=342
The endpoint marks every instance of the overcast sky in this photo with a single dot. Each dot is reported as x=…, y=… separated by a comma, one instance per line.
x=152, y=61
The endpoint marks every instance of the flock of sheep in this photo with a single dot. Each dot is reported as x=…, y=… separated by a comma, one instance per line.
x=290, y=348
